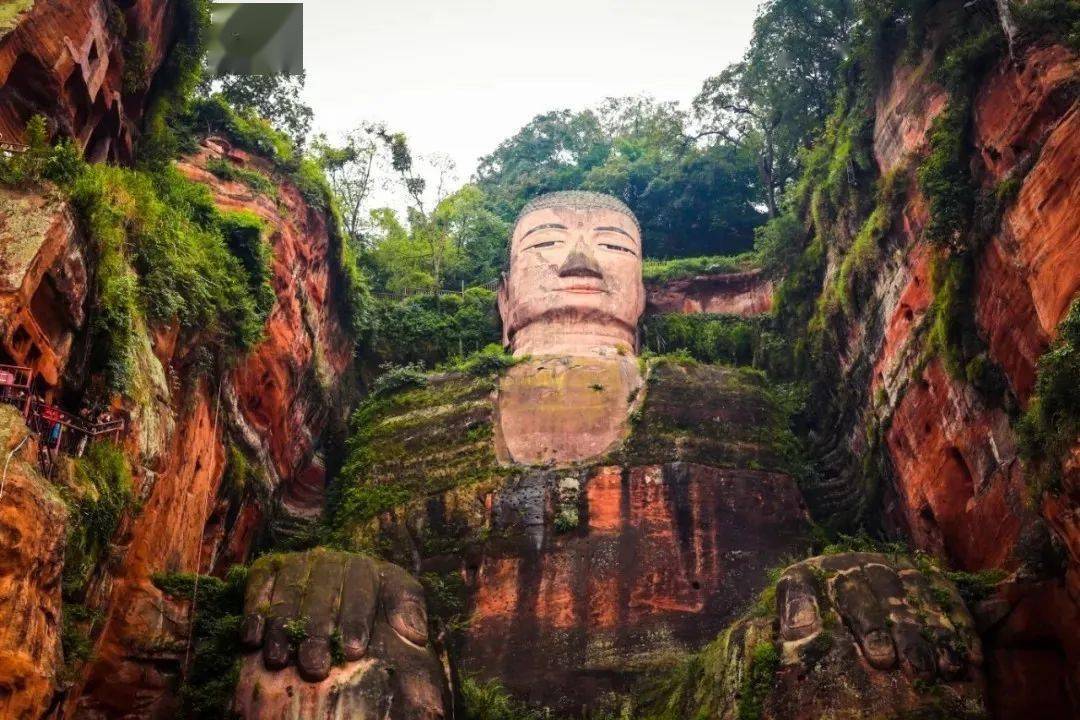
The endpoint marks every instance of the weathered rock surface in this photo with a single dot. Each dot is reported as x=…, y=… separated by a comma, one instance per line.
x=746, y=293
x=561, y=410
x=954, y=482
x=852, y=636
x=43, y=285
x=33, y=521
x=662, y=558
x=276, y=405
x=369, y=614
x=67, y=60
x=293, y=386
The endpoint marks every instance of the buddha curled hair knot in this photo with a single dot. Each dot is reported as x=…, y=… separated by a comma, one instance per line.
x=578, y=200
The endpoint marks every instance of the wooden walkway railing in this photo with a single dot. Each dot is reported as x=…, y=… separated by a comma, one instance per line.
x=59, y=430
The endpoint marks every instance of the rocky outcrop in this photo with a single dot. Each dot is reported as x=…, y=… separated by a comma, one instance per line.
x=33, y=521
x=745, y=293
x=850, y=636
x=602, y=568
x=295, y=384
x=43, y=287
x=954, y=483
x=86, y=65
x=275, y=404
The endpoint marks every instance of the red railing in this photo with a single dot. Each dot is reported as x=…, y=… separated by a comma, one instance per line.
x=59, y=429
x=15, y=386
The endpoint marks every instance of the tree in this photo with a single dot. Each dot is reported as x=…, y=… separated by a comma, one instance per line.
x=552, y=152
x=689, y=199
x=351, y=170
x=274, y=97
x=775, y=99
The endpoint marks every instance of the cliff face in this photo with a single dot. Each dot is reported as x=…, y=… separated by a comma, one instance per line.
x=744, y=293
x=68, y=61
x=275, y=404
x=604, y=570
x=956, y=484
x=33, y=520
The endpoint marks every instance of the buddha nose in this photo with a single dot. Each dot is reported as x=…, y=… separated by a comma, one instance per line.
x=580, y=263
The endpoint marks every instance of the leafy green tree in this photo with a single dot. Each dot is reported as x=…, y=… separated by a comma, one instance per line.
x=274, y=97
x=351, y=169
x=774, y=101
x=689, y=199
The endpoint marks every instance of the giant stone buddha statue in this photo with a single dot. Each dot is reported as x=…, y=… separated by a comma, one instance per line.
x=599, y=515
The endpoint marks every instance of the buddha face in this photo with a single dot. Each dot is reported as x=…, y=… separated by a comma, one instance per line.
x=574, y=285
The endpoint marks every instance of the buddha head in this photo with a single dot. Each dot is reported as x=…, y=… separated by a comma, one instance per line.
x=574, y=284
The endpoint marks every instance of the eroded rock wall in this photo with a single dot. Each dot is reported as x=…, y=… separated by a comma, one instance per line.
x=277, y=404
x=67, y=60
x=746, y=293
x=33, y=521
x=956, y=485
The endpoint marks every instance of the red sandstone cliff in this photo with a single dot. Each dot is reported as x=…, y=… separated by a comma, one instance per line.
x=277, y=403
x=66, y=60
x=960, y=487
x=743, y=293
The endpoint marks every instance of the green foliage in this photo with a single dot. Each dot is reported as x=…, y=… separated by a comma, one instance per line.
x=664, y=270
x=758, y=681
x=60, y=164
x=101, y=493
x=709, y=338
x=975, y=586
x=775, y=100
x=167, y=127
x=690, y=199
x=491, y=701
x=252, y=178
x=244, y=231
x=252, y=133
x=485, y=361
x=1057, y=19
x=433, y=328
x=77, y=624
x=217, y=608
x=337, y=648
x=136, y=67
x=945, y=177
x=239, y=476
x=1051, y=425
x=396, y=377
x=274, y=97
x=417, y=441
x=296, y=629
x=951, y=328
x=166, y=230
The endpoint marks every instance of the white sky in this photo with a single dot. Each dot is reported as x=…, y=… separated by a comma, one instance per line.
x=459, y=76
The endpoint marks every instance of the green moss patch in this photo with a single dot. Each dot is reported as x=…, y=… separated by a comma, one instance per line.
x=424, y=439
x=724, y=417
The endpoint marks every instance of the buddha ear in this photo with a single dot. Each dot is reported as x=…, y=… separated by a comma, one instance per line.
x=502, y=301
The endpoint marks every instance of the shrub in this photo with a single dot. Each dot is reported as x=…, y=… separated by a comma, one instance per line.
x=166, y=230
x=663, y=270
x=491, y=701
x=252, y=178
x=1051, y=425
x=217, y=609
x=101, y=495
x=396, y=377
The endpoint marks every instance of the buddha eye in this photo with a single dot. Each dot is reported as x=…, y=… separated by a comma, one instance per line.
x=619, y=248
x=545, y=244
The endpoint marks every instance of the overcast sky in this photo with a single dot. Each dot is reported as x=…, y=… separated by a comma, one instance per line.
x=459, y=76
